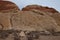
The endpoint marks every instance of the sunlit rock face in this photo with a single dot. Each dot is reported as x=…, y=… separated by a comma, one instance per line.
x=28, y=25
x=50, y=11
x=41, y=8
x=27, y=20
x=56, y=16
x=7, y=6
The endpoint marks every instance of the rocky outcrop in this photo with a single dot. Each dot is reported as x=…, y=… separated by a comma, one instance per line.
x=27, y=20
x=49, y=11
x=34, y=21
x=41, y=8
x=6, y=6
x=28, y=25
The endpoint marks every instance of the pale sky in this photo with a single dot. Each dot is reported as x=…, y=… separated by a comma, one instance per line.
x=50, y=3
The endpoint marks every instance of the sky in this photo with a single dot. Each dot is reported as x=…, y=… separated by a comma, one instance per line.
x=49, y=3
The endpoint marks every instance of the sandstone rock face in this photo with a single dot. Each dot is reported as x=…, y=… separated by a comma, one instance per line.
x=41, y=8
x=6, y=6
x=37, y=21
x=5, y=21
x=28, y=20
x=27, y=25
x=56, y=16
x=50, y=11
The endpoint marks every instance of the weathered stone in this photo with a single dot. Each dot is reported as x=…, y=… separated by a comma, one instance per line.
x=29, y=25
x=49, y=11
x=5, y=21
x=28, y=20
x=7, y=6
x=56, y=16
x=41, y=8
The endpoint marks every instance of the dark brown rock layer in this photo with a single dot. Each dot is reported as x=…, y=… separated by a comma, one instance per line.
x=6, y=6
x=41, y=8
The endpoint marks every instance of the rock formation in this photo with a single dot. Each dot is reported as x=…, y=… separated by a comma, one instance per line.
x=41, y=8
x=7, y=6
x=29, y=24
x=28, y=21
x=50, y=11
x=32, y=24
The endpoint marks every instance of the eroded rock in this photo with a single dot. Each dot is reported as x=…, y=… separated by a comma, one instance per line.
x=28, y=20
x=7, y=6
x=5, y=21
x=41, y=8
x=50, y=11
